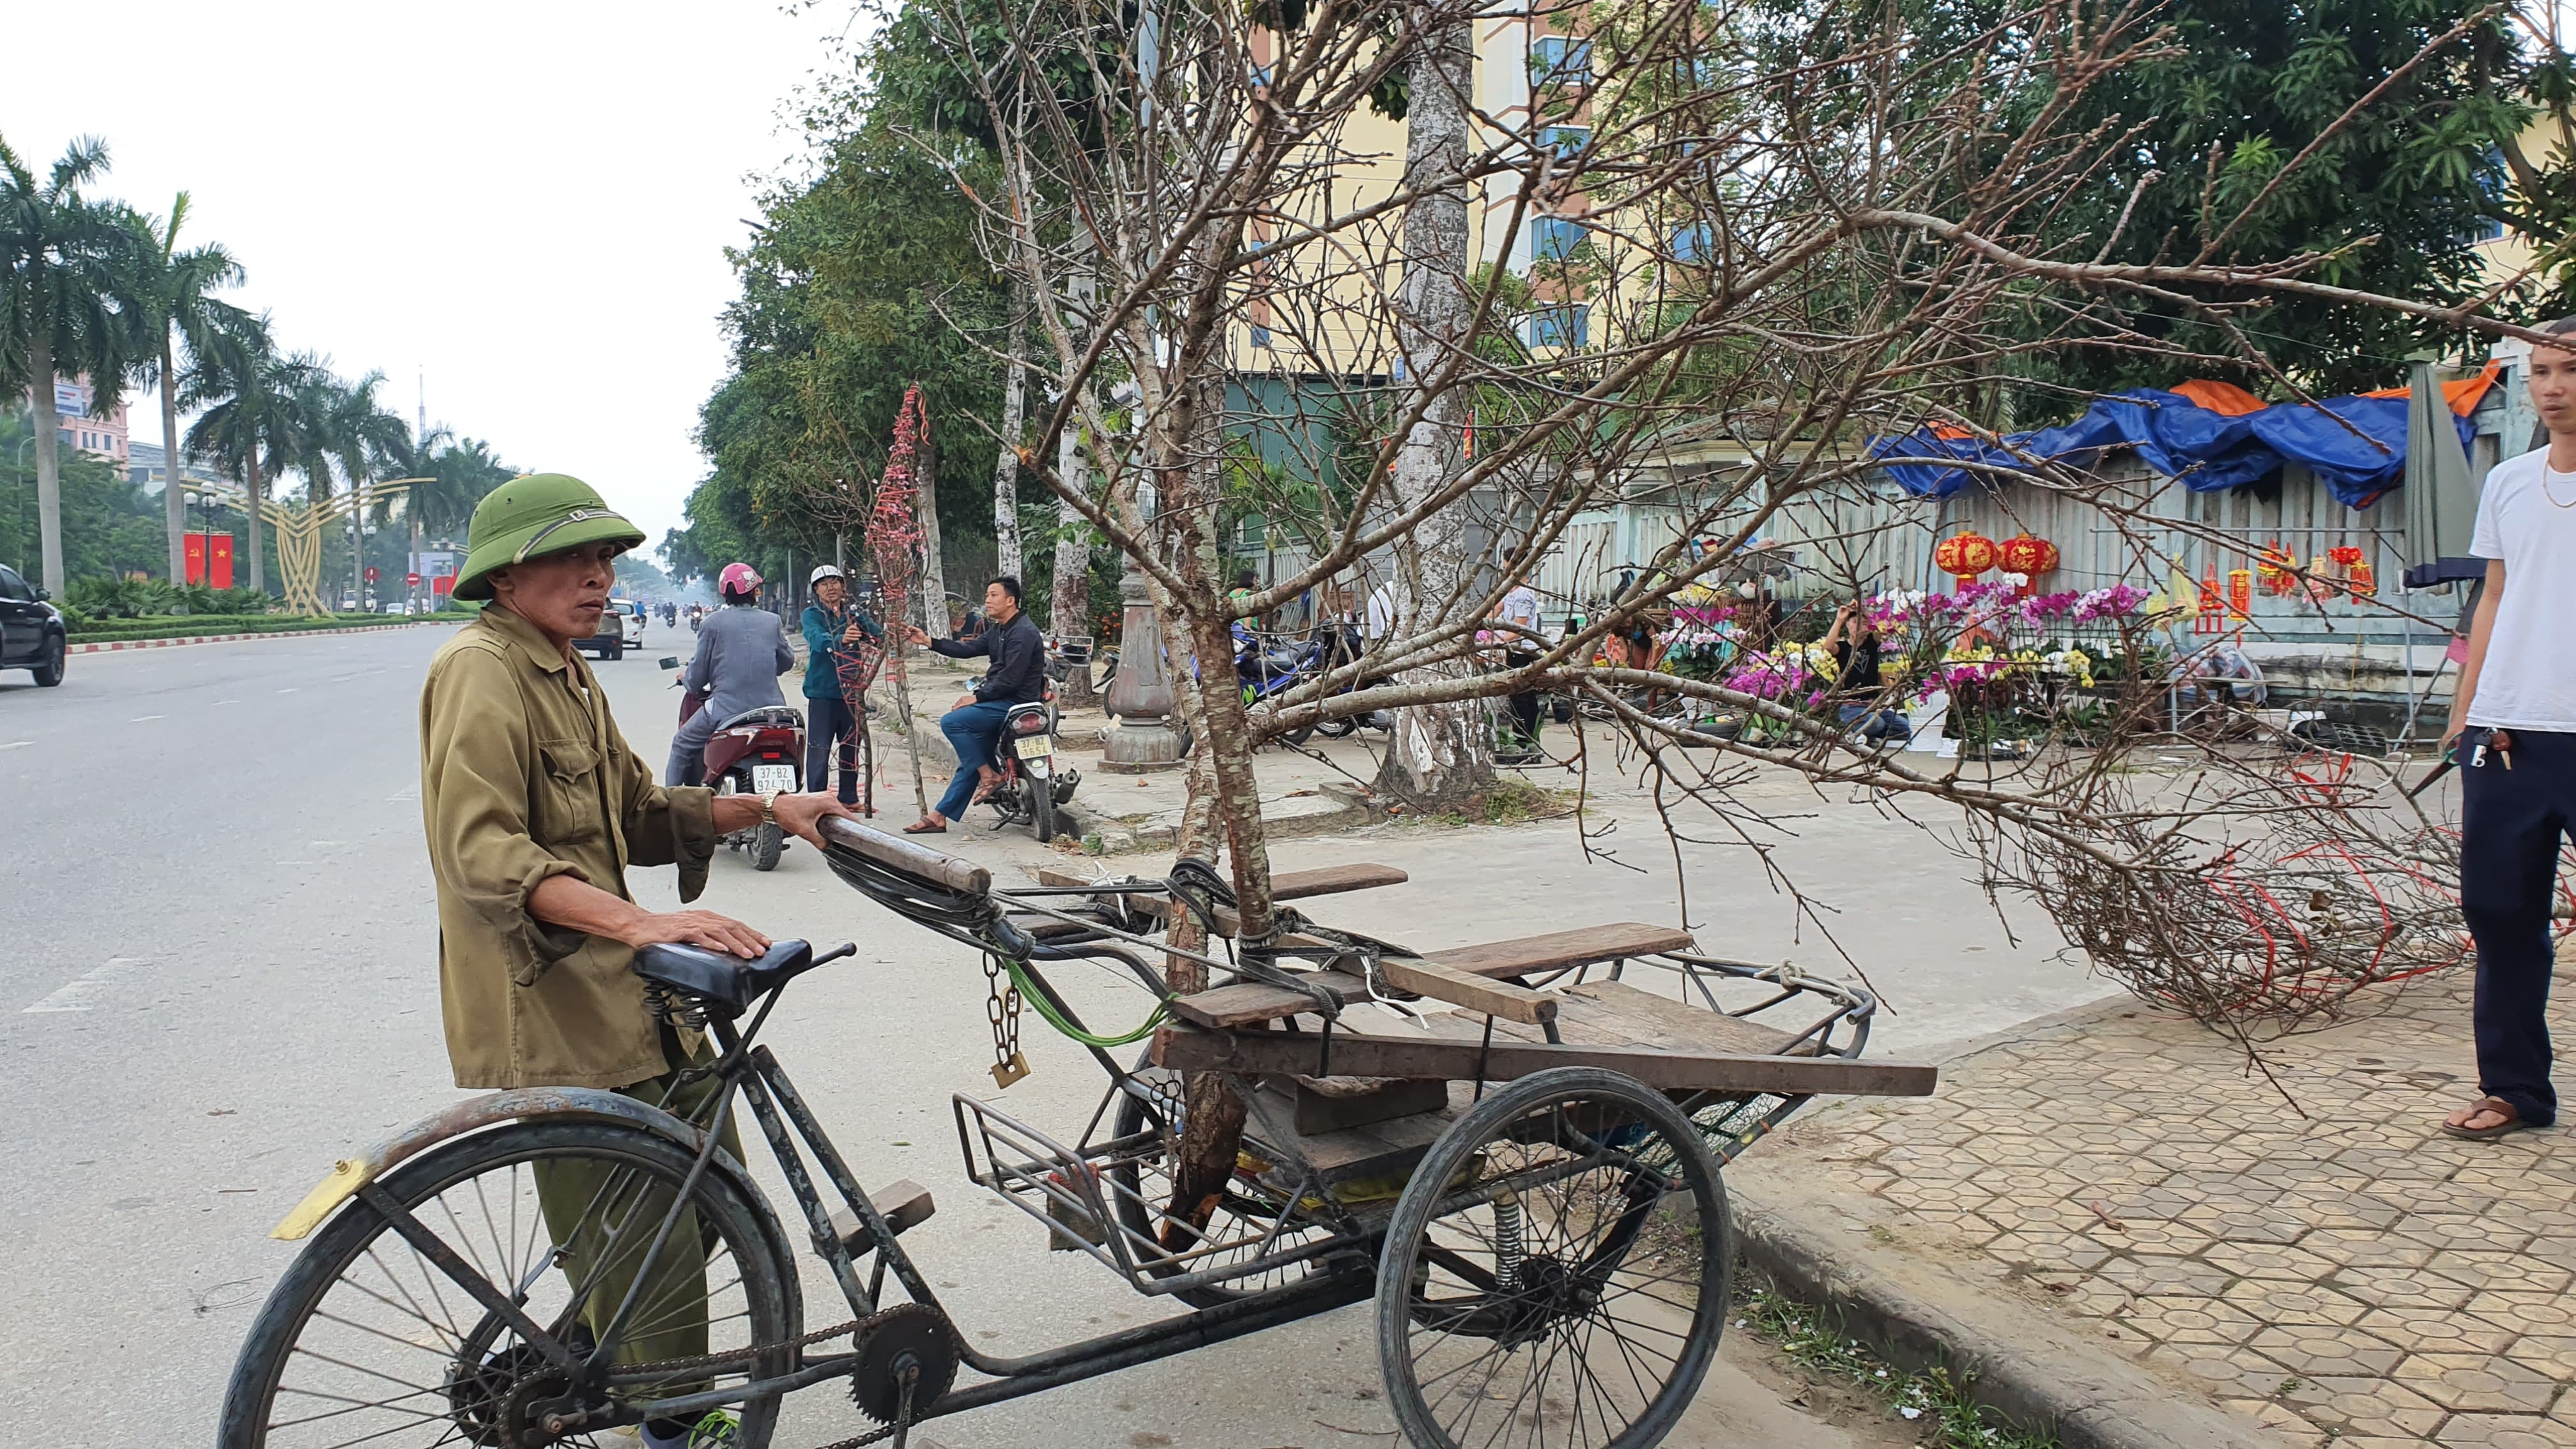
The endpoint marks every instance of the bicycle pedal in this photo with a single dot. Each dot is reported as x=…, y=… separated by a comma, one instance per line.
x=1005, y=1073
x=905, y=1204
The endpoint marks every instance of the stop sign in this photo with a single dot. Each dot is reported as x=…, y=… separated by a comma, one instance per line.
x=411, y=581
x=371, y=573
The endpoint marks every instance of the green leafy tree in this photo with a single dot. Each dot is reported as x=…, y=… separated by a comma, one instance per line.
x=2256, y=134
x=186, y=322
x=69, y=303
x=252, y=427
x=110, y=529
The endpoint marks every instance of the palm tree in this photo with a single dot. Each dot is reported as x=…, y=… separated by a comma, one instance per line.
x=367, y=443
x=250, y=425
x=67, y=303
x=185, y=320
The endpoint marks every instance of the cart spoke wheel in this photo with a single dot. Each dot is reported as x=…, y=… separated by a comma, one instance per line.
x=1245, y=1226
x=1555, y=1274
x=369, y=1340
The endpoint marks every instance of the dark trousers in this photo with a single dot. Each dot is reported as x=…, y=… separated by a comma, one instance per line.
x=1524, y=704
x=2511, y=821
x=828, y=721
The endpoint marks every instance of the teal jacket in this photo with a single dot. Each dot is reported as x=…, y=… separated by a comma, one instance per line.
x=824, y=650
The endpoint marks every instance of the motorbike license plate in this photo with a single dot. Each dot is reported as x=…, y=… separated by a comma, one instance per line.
x=773, y=779
x=1033, y=747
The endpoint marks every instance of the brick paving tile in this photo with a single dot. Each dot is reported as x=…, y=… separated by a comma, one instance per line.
x=2505, y=1431
x=2351, y=1277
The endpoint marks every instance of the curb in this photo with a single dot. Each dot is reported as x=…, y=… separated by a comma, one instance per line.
x=2029, y=1367
x=118, y=646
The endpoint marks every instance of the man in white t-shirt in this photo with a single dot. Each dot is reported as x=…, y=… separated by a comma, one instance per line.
x=2513, y=721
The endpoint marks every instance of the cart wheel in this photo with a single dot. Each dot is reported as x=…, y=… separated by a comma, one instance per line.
x=1139, y=1191
x=1556, y=1271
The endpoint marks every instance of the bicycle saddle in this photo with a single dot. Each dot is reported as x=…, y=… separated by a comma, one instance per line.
x=767, y=716
x=724, y=984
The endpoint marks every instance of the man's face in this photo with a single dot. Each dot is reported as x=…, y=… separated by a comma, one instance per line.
x=2553, y=388
x=562, y=593
x=830, y=592
x=999, y=606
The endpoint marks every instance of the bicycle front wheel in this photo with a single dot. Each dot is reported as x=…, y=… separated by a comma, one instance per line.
x=367, y=1340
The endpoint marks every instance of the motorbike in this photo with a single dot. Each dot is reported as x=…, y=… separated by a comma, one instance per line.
x=1034, y=785
x=757, y=752
x=697, y=616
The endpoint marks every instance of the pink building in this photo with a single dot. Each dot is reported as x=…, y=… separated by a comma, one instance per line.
x=102, y=436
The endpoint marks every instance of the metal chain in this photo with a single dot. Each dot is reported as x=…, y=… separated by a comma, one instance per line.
x=736, y=1355
x=1002, y=1010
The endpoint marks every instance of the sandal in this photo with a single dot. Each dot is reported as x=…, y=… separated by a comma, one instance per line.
x=924, y=827
x=2495, y=1106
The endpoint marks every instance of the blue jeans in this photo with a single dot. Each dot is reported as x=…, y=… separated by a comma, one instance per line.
x=1876, y=724
x=973, y=730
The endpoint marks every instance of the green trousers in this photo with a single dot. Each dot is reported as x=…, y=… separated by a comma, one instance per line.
x=604, y=1215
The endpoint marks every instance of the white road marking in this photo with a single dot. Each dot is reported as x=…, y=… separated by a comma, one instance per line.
x=77, y=993
x=17, y=745
x=221, y=702
x=146, y=718
x=290, y=689
x=407, y=792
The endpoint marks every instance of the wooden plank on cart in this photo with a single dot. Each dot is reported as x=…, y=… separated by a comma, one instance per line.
x=1189, y=1048
x=1378, y=1149
x=1331, y=1104
x=1287, y=885
x=1559, y=949
x=1249, y=1003
x=1614, y=1012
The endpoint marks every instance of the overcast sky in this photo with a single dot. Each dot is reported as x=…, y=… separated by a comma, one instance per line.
x=526, y=201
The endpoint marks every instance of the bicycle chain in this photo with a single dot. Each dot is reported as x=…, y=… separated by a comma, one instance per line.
x=736, y=1355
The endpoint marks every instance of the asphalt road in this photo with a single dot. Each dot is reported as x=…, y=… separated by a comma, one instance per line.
x=218, y=973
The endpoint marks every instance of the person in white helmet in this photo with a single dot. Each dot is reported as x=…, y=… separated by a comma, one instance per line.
x=835, y=628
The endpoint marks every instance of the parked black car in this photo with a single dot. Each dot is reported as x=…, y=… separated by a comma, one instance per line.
x=32, y=636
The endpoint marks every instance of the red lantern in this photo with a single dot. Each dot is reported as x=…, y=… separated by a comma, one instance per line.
x=2028, y=556
x=1963, y=556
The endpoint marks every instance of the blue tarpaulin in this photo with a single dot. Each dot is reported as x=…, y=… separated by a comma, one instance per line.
x=2206, y=449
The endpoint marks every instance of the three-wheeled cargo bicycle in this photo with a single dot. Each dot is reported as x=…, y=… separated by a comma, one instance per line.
x=1514, y=1148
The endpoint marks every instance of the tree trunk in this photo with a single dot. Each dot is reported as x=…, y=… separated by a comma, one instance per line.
x=257, y=488
x=1440, y=754
x=1006, y=468
x=934, y=575
x=49, y=470
x=1224, y=795
x=1069, y=605
x=174, y=499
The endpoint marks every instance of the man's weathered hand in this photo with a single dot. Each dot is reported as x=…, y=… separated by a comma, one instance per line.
x=803, y=815
x=695, y=928
x=913, y=635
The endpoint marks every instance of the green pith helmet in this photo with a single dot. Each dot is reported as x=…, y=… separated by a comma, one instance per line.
x=537, y=514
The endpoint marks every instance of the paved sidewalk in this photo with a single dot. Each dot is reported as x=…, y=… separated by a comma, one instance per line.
x=2353, y=1278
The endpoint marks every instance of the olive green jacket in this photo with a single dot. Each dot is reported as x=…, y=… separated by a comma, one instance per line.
x=524, y=776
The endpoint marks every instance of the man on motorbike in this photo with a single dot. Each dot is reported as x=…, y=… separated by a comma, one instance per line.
x=1017, y=676
x=741, y=653
x=535, y=807
x=835, y=627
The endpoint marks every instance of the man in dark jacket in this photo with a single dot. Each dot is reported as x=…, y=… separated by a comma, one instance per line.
x=1017, y=676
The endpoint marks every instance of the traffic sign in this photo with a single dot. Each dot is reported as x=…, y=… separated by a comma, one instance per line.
x=411, y=581
x=371, y=573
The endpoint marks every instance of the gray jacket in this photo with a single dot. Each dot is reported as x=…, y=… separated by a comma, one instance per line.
x=742, y=649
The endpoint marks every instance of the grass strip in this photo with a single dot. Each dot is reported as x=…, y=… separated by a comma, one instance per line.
x=1935, y=1402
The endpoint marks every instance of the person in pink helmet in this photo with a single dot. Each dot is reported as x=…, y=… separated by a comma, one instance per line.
x=742, y=649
